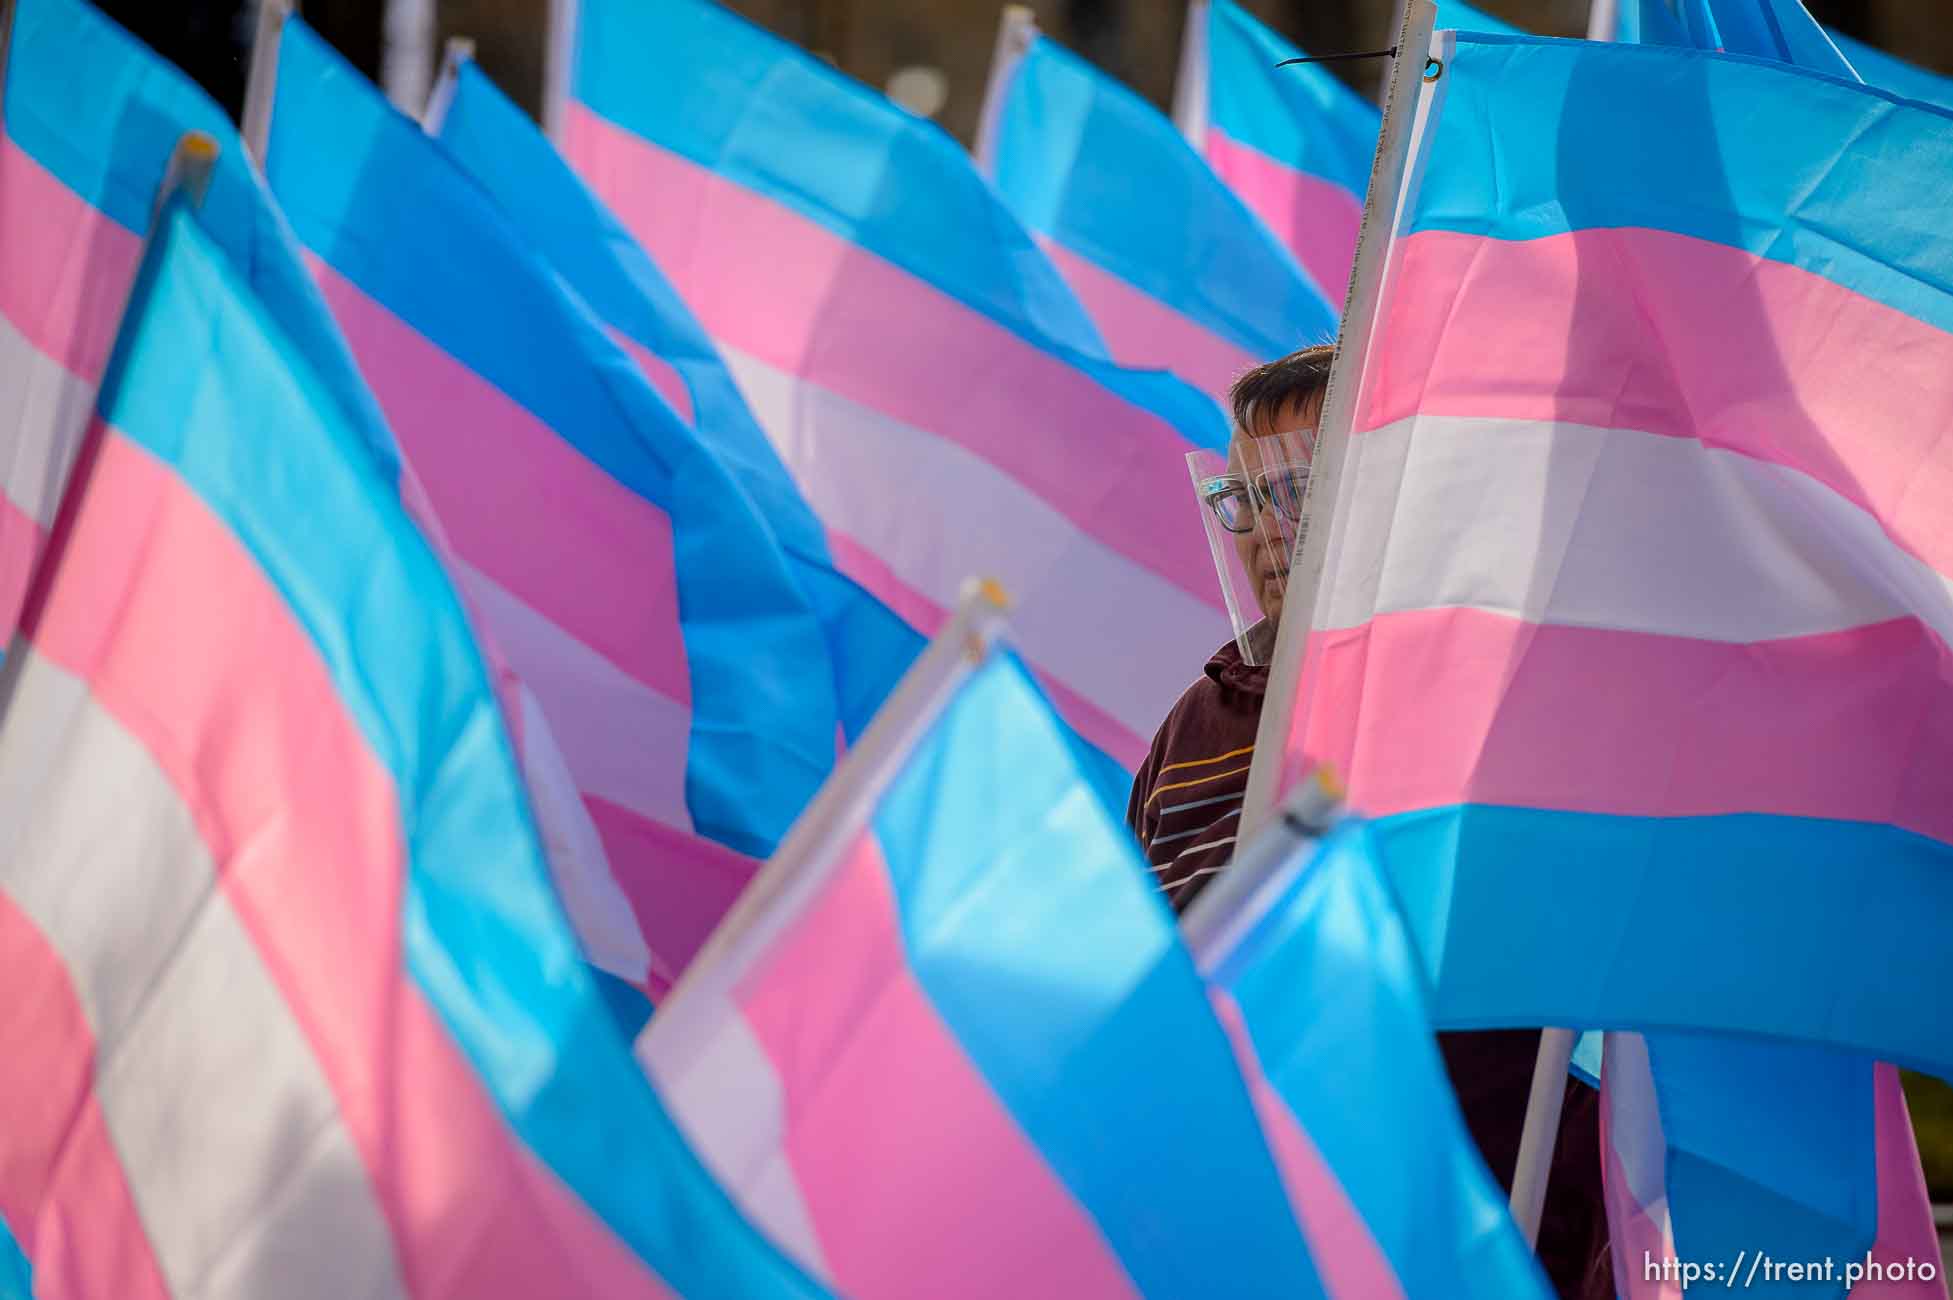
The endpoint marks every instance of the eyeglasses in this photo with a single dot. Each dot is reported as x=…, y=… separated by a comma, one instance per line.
x=1236, y=499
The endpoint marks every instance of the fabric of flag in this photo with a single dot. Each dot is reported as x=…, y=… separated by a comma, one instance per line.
x=869, y=645
x=936, y=1061
x=291, y=1006
x=940, y=397
x=1372, y=1147
x=632, y=583
x=90, y=118
x=1782, y=31
x=1636, y=606
x=1889, y=72
x=1736, y=1153
x=1177, y=273
x=1294, y=143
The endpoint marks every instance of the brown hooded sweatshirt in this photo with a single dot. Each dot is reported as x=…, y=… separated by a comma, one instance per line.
x=1186, y=807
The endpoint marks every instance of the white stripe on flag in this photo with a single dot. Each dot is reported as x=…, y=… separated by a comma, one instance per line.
x=727, y=1097
x=1610, y=528
x=1122, y=636
x=44, y=411
x=246, y=1179
x=623, y=741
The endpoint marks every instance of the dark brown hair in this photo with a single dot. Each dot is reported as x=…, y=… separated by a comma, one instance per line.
x=1267, y=388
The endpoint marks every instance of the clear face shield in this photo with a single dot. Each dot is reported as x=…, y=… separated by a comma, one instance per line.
x=1251, y=506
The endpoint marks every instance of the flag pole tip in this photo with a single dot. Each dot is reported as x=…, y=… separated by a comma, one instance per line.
x=190, y=165
x=459, y=50
x=993, y=591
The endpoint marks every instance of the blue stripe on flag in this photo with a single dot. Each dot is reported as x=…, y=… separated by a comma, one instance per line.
x=1033, y=927
x=1848, y=183
x=1770, y=1149
x=1329, y=987
x=16, y=1274
x=1671, y=947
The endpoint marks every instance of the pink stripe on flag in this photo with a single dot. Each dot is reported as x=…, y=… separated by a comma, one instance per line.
x=917, y=1180
x=1641, y=329
x=679, y=884
x=1906, y=1234
x=62, y=1190
x=663, y=375
x=1090, y=721
x=1440, y=706
x=845, y=319
x=520, y=503
x=1315, y=219
x=65, y=268
x=183, y=639
x=1347, y=1258
x=1143, y=332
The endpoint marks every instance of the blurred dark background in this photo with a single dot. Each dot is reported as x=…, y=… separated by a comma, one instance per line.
x=942, y=47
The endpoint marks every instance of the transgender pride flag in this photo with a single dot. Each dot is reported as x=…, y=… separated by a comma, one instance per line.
x=291, y=1008
x=937, y=393
x=1637, y=605
x=628, y=578
x=869, y=645
x=949, y=1043
x=1294, y=143
x=1176, y=272
x=1318, y=984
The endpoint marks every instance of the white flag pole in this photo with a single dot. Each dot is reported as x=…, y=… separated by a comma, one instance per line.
x=1542, y=1130
x=407, y=53
x=1604, y=19
x=1190, y=82
x=829, y=826
x=261, y=81
x=1016, y=29
x=1338, y=409
x=559, y=61
x=457, y=53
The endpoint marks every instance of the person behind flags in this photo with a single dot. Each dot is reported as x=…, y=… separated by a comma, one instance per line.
x=1185, y=805
x=1186, y=798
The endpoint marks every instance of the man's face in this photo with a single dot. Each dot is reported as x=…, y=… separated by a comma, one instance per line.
x=1271, y=441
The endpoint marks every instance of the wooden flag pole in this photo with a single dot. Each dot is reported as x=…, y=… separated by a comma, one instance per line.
x=1190, y=82
x=838, y=813
x=261, y=81
x=1306, y=572
x=1016, y=29
x=1542, y=1130
x=407, y=40
x=457, y=53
